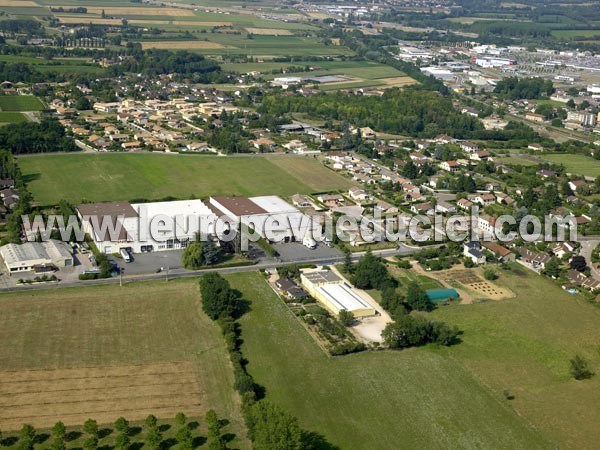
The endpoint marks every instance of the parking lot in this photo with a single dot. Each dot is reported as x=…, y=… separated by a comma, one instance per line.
x=297, y=252
x=144, y=263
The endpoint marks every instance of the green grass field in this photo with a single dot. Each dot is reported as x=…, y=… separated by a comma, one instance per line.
x=524, y=344
x=71, y=65
x=12, y=117
x=20, y=103
x=414, y=399
x=576, y=164
x=567, y=34
x=107, y=177
x=101, y=332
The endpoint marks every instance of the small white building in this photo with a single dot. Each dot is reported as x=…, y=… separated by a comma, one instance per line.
x=36, y=256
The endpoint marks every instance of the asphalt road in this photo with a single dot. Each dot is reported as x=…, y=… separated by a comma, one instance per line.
x=402, y=250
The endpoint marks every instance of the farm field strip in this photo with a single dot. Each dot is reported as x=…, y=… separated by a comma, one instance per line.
x=72, y=395
x=181, y=45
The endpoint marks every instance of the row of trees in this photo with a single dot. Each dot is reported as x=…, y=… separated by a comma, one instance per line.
x=269, y=427
x=153, y=439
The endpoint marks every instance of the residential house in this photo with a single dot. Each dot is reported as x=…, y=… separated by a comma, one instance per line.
x=445, y=207
x=535, y=117
x=472, y=250
x=469, y=146
x=290, y=290
x=444, y=139
x=547, y=173
x=423, y=208
x=385, y=207
x=450, y=166
x=481, y=155
x=301, y=201
x=486, y=224
x=358, y=194
x=501, y=253
x=577, y=184
x=97, y=141
x=465, y=204
x=485, y=199
x=537, y=261
x=563, y=248
x=331, y=200
x=261, y=143
x=535, y=147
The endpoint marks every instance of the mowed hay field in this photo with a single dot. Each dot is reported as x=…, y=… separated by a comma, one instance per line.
x=106, y=351
x=414, y=399
x=109, y=177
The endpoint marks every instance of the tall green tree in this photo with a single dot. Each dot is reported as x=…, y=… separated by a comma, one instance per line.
x=218, y=299
x=193, y=257
x=417, y=299
x=91, y=427
x=26, y=438
x=271, y=428
x=215, y=440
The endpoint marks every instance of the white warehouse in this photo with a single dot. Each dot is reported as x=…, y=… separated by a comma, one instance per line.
x=147, y=227
x=270, y=216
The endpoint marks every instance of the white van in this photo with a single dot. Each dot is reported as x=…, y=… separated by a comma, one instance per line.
x=309, y=242
x=125, y=255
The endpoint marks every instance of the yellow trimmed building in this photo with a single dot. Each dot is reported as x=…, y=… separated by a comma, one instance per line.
x=335, y=294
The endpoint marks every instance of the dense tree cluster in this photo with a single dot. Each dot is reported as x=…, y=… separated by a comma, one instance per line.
x=32, y=137
x=370, y=273
x=515, y=88
x=218, y=299
x=412, y=331
x=414, y=113
x=159, y=61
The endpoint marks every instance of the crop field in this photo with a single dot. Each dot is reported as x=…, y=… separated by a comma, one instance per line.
x=20, y=103
x=417, y=398
x=181, y=45
x=77, y=65
x=108, y=177
x=41, y=397
x=106, y=351
x=19, y=3
x=265, y=46
x=269, y=31
x=576, y=164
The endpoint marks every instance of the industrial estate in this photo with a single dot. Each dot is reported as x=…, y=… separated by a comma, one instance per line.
x=278, y=225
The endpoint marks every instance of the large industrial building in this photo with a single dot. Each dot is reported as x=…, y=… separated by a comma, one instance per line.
x=150, y=227
x=36, y=256
x=145, y=227
x=270, y=216
x=335, y=294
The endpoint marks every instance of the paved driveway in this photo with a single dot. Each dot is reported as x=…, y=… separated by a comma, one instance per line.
x=296, y=252
x=150, y=262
